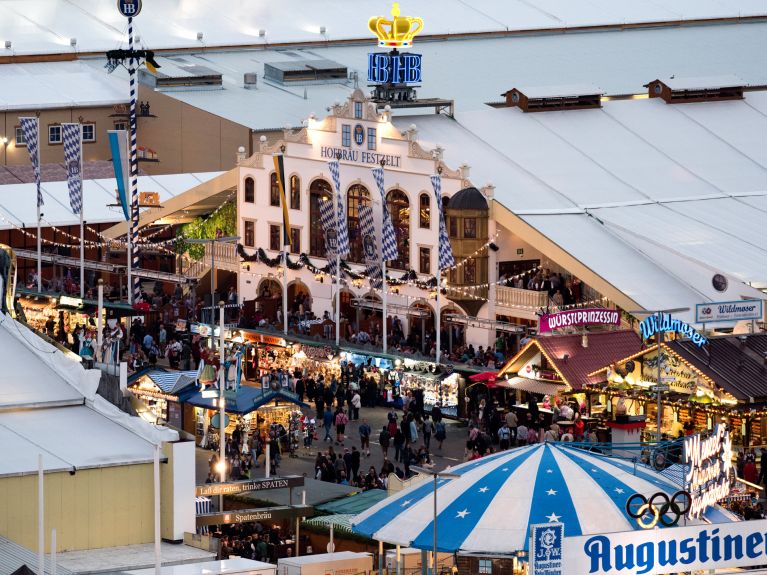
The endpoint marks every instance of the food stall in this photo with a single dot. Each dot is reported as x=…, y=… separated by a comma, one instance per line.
x=160, y=395
x=438, y=388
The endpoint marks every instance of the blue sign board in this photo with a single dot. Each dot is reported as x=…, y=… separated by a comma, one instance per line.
x=394, y=68
x=546, y=548
x=129, y=8
x=653, y=324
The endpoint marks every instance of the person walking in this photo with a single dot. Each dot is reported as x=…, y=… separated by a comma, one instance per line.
x=364, y=430
x=399, y=444
x=512, y=422
x=356, y=403
x=383, y=441
x=427, y=429
x=327, y=423
x=341, y=420
x=504, y=436
x=440, y=433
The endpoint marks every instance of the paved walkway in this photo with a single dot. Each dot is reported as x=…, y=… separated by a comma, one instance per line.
x=319, y=491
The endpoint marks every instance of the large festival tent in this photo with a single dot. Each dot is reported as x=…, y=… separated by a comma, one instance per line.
x=490, y=507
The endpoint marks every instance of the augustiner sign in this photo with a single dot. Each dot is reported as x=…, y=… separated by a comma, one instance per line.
x=248, y=515
x=235, y=487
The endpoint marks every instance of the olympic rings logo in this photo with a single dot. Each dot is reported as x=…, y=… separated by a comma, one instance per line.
x=660, y=508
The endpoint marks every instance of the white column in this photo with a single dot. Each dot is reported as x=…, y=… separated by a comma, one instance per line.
x=40, y=516
x=157, y=548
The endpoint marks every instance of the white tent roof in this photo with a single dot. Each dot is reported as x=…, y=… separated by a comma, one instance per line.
x=58, y=85
x=97, y=197
x=654, y=198
x=47, y=26
x=619, y=62
x=48, y=405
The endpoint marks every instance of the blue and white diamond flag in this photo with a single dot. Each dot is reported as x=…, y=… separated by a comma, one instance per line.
x=446, y=259
x=341, y=225
x=73, y=161
x=327, y=218
x=370, y=247
x=389, y=238
x=30, y=127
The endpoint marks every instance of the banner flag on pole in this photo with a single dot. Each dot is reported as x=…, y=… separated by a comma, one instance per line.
x=73, y=161
x=389, y=243
x=118, y=144
x=279, y=169
x=341, y=224
x=446, y=259
x=327, y=218
x=370, y=247
x=30, y=127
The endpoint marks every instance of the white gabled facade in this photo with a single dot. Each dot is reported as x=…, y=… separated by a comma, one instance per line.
x=408, y=168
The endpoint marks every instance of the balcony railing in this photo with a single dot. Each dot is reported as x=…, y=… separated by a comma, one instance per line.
x=516, y=297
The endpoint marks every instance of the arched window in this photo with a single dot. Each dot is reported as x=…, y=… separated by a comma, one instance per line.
x=274, y=190
x=250, y=190
x=358, y=195
x=319, y=191
x=399, y=210
x=295, y=192
x=424, y=211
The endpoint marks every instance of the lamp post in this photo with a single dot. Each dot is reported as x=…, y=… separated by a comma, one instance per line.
x=659, y=340
x=435, y=475
x=213, y=242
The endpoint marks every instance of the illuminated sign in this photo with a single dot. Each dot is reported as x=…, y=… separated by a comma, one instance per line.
x=129, y=8
x=728, y=311
x=67, y=301
x=554, y=321
x=394, y=68
x=708, y=476
x=235, y=487
x=650, y=326
x=397, y=32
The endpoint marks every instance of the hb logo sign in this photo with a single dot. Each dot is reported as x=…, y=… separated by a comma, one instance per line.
x=129, y=8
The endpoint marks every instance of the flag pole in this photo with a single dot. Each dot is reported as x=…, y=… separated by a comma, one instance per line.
x=384, y=298
x=134, y=287
x=439, y=278
x=39, y=253
x=82, y=222
x=285, y=248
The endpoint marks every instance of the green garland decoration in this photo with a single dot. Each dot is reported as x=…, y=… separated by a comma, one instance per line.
x=223, y=221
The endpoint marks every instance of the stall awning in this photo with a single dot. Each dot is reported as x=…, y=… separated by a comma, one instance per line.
x=533, y=385
x=247, y=399
x=172, y=381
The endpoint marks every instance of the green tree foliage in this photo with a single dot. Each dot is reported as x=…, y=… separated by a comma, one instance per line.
x=225, y=219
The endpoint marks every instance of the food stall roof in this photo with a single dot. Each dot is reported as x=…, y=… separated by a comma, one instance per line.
x=247, y=399
x=114, y=309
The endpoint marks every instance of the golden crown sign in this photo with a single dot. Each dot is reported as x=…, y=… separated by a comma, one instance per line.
x=397, y=32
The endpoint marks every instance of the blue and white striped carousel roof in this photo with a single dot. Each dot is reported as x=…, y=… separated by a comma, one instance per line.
x=489, y=508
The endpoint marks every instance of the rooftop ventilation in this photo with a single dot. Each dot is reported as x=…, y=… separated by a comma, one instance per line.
x=250, y=80
x=179, y=75
x=710, y=89
x=546, y=98
x=306, y=72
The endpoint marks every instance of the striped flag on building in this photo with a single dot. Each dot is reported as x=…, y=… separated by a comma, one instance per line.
x=446, y=259
x=341, y=224
x=30, y=128
x=73, y=160
x=279, y=169
x=389, y=238
x=370, y=247
x=327, y=218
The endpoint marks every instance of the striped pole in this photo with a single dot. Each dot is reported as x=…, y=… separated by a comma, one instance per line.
x=134, y=286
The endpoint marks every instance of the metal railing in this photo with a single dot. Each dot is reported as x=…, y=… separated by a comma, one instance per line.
x=516, y=297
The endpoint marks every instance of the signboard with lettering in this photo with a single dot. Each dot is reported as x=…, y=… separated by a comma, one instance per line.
x=235, y=487
x=747, y=309
x=709, y=462
x=129, y=8
x=360, y=156
x=546, y=541
x=553, y=321
x=394, y=68
x=672, y=550
x=653, y=324
x=248, y=515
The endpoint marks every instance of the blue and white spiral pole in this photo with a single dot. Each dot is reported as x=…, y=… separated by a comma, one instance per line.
x=134, y=289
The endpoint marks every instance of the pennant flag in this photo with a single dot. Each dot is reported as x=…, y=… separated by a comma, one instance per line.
x=389, y=243
x=370, y=247
x=446, y=259
x=341, y=224
x=73, y=160
x=30, y=127
x=279, y=169
x=327, y=219
x=118, y=145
